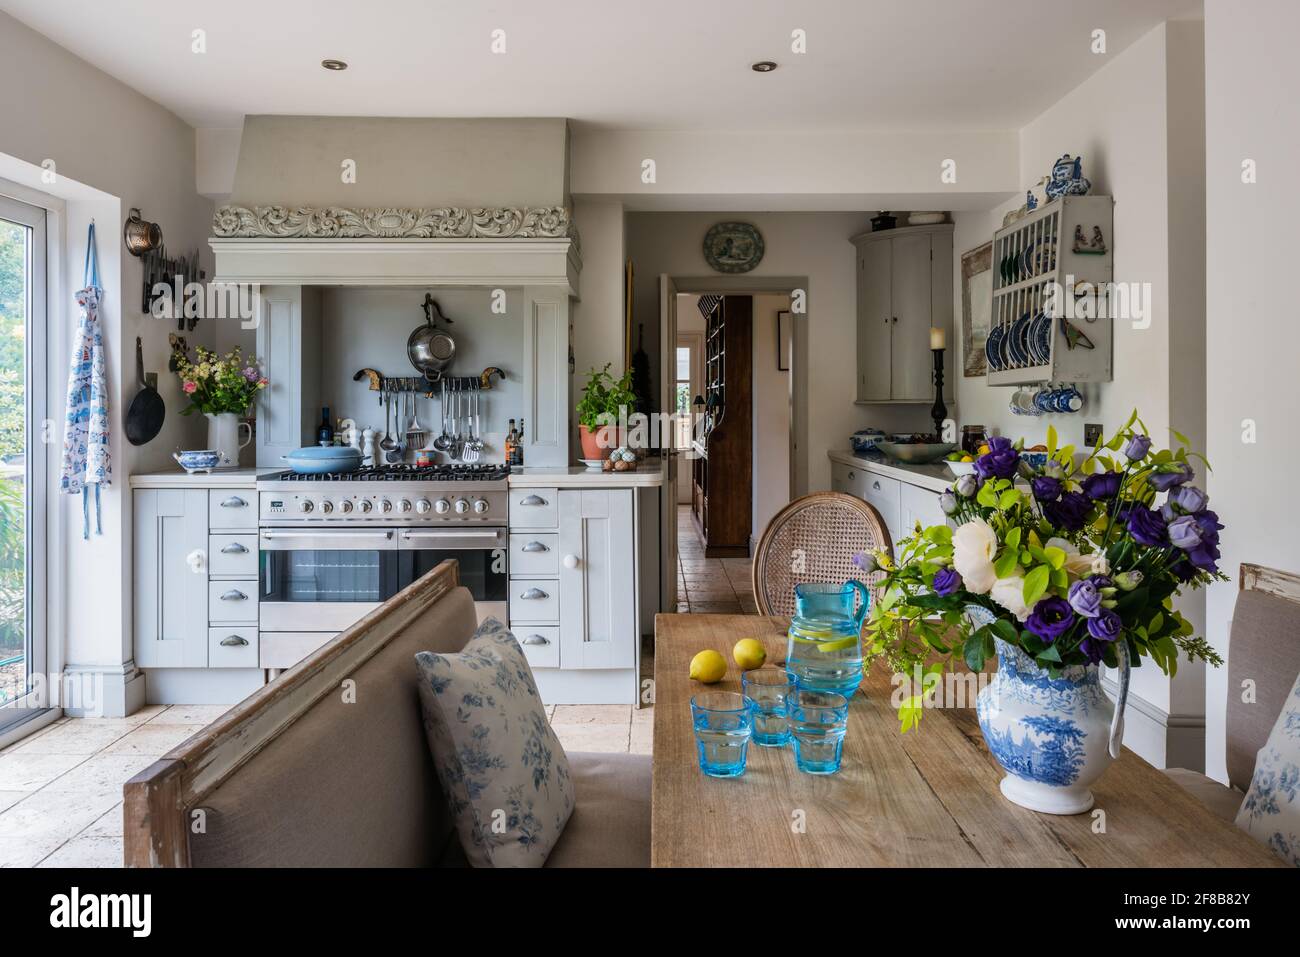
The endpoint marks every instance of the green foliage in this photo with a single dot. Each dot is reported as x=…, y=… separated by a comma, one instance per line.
x=13, y=342
x=604, y=396
x=12, y=567
x=217, y=384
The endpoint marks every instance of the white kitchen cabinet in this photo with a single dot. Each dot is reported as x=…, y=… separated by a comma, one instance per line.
x=598, y=614
x=171, y=578
x=904, y=288
x=918, y=504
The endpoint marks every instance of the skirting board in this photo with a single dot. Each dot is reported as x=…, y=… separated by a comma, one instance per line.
x=586, y=687
x=1162, y=739
x=202, y=685
x=94, y=691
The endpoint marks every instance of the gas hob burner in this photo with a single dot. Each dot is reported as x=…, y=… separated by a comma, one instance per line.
x=486, y=472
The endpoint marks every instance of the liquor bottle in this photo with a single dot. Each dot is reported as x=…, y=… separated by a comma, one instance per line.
x=325, y=431
x=510, y=443
x=519, y=445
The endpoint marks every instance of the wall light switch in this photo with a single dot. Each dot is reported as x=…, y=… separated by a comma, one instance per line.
x=1091, y=434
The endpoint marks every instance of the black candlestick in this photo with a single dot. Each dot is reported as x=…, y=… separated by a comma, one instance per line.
x=938, y=411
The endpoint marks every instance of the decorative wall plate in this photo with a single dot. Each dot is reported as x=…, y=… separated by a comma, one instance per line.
x=733, y=247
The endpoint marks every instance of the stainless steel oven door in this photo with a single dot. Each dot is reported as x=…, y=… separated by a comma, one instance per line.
x=481, y=552
x=324, y=579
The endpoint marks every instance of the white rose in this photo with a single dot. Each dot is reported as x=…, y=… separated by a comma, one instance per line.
x=973, y=547
x=1009, y=592
x=1076, y=564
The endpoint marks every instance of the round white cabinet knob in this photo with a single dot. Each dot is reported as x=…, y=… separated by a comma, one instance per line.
x=570, y=561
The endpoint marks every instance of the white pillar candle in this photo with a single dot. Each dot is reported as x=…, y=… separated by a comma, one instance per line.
x=936, y=338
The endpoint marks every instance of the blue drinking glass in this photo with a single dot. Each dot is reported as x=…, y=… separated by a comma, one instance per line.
x=724, y=723
x=770, y=689
x=818, y=721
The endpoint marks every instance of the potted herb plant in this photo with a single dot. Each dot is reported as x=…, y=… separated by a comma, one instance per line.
x=1057, y=574
x=604, y=401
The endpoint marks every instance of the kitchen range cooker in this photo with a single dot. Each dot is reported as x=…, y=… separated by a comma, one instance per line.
x=334, y=546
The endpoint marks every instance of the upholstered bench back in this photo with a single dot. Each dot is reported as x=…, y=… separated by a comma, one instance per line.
x=326, y=766
x=1264, y=649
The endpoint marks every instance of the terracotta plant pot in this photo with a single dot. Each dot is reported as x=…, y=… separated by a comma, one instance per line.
x=599, y=443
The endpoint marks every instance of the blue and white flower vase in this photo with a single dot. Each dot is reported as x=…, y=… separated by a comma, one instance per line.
x=1053, y=736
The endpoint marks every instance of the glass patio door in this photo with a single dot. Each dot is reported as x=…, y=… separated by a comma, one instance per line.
x=23, y=467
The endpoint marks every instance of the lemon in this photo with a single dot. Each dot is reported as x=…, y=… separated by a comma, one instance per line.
x=708, y=667
x=968, y=458
x=749, y=654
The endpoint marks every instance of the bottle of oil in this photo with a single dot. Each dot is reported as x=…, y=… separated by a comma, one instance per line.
x=518, y=458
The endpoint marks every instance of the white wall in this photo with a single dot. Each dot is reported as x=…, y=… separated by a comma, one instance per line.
x=773, y=417
x=1251, y=75
x=811, y=250
x=129, y=151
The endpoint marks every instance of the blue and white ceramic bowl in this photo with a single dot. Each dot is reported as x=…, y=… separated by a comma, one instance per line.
x=865, y=440
x=198, y=461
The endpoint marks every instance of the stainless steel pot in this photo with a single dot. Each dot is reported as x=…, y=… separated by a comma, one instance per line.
x=429, y=348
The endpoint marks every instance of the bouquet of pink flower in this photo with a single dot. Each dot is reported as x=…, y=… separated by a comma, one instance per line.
x=1070, y=562
x=217, y=384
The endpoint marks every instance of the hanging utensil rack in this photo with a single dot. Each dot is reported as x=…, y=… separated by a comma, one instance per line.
x=424, y=386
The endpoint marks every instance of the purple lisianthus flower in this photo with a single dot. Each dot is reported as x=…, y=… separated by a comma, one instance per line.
x=1069, y=511
x=251, y=374
x=1136, y=448
x=866, y=561
x=1147, y=527
x=948, y=502
x=1085, y=598
x=1101, y=485
x=1050, y=619
x=999, y=461
x=1206, y=555
x=1185, y=532
x=966, y=486
x=946, y=581
x=1106, y=626
x=1046, y=488
x=1180, y=474
x=1189, y=498
x=1101, y=581
x=1183, y=570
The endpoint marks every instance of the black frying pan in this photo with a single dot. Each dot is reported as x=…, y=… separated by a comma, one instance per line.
x=145, y=416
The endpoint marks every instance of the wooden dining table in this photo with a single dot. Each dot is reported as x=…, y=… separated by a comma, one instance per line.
x=925, y=798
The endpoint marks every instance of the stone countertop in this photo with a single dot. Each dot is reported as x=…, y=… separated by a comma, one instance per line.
x=179, y=478
x=935, y=477
x=648, y=474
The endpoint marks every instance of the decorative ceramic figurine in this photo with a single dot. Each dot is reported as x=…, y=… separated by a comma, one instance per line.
x=1036, y=196
x=1067, y=178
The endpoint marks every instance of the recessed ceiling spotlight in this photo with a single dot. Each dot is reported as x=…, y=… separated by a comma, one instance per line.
x=333, y=64
x=763, y=66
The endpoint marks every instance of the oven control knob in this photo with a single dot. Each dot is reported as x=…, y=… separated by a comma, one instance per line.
x=366, y=506
x=305, y=505
x=481, y=506
x=345, y=505
x=442, y=506
x=404, y=506
x=423, y=506
x=327, y=506
x=385, y=506
x=462, y=506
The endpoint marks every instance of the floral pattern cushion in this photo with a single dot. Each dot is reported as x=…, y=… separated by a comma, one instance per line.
x=504, y=773
x=1271, y=811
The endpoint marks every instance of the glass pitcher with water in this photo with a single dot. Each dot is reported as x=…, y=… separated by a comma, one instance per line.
x=825, y=647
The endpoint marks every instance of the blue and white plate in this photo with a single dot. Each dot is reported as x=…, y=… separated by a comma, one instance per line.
x=993, y=348
x=1040, y=339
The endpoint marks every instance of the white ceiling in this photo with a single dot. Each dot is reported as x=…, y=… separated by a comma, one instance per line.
x=630, y=64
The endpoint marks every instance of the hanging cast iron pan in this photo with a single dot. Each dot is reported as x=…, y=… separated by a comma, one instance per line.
x=144, y=417
x=429, y=348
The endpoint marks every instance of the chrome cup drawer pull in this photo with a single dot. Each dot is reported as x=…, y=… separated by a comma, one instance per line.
x=535, y=547
x=534, y=594
x=234, y=548
x=532, y=500
x=536, y=640
x=234, y=502
x=234, y=595
x=233, y=641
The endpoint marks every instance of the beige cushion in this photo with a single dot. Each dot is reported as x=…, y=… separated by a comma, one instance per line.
x=1264, y=649
x=1271, y=811
x=610, y=826
x=347, y=784
x=1222, y=801
x=503, y=771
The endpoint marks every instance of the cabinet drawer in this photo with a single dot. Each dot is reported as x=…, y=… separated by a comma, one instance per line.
x=233, y=602
x=848, y=478
x=284, y=649
x=534, y=599
x=541, y=645
x=883, y=493
x=533, y=508
x=232, y=508
x=232, y=647
x=232, y=555
x=534, y=554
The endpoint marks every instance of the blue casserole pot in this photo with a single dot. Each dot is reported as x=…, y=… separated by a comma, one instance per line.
x=320, y=459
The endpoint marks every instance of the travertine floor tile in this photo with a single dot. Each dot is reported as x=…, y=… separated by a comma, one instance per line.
x=10, y=798
x=28, y=772
x=153, y=739
x=606, y=714
x=82, y=736
x=593, y=737
x=85, y=851
x=26, y=851
x=54, y=814
x=200, y=714
x=103, y=773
